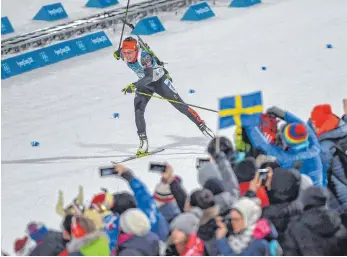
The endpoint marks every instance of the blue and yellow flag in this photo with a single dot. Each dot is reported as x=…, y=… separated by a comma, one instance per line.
x=240, y=110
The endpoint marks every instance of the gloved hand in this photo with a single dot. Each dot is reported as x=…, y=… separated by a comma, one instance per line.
x=129, y=89
x=278, y=112
x=117, y=54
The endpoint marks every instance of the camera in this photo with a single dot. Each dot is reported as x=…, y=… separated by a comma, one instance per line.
x=157, y=167
x=227, y=222
x=201, y=162
x=107, y=171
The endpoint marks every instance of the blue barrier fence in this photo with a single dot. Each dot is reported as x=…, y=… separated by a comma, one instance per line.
x=148, y=26
x=53, y=54
x=198, y=12
x=6, y=26
x=101, y=3
x=51, y=12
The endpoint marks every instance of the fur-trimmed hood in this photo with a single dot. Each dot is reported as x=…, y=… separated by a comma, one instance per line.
x=77, y=244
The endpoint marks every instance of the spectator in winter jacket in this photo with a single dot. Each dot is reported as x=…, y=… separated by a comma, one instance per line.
x=245, y=214
x=318, y=230
x=24, y=246
x=165, y=201
x=145, y=202
x=163, y=196
x=184, y=240
x=221, y=170
x=329, y=129
x=204, y=200
x=222, y=198
x=48, y=242
x=136, y=238
x=303, y=148
x=245, y=172
x=283, y=196
x=86, y=239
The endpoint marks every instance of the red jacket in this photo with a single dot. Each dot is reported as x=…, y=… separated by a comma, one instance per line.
x=194, y=246
x=64, y=253
x=261, y=193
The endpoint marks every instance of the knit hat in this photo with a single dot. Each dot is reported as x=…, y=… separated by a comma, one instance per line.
x=24, y=246
x=215, y=185
x=122, y=202
x=162, y=193
x=202, y=198
x=186, y=222
x=320, y=114
x=81, y=226
x=250, y=210
x=323, y=118
x=295, y=134
x=129, y=43
x=134, y=221
x=207, y=171
x=37, y=231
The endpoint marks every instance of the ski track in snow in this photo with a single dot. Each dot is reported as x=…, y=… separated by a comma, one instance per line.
x=68, y=106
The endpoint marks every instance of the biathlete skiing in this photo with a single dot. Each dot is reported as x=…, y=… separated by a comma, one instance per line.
x=153, y=78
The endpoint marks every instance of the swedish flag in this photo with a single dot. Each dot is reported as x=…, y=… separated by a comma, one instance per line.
x=240, y=110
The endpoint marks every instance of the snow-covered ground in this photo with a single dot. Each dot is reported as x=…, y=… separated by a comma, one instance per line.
x=68, y=106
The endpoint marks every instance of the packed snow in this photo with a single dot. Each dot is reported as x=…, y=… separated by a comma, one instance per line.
x=68, y=107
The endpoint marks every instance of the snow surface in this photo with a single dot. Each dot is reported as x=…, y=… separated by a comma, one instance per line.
x=68, y=107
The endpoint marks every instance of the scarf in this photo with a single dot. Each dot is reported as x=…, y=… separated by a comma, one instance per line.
x=240, y=241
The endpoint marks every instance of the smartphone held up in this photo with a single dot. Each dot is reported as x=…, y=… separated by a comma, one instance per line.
x=107, y=171
x=157, y=167
x=263, y=175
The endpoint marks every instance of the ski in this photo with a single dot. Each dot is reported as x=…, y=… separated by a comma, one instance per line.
x=133, y=157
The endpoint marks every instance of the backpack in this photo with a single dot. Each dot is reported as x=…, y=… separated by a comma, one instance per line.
x=340, y=146
x=341, y=151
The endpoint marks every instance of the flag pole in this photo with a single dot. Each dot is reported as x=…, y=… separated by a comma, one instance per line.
x=217, y=132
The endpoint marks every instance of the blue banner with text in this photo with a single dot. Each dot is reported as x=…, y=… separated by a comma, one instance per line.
x=52, y=54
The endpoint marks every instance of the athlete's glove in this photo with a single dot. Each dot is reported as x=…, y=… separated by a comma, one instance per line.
x=117, y=54
x=129, y=89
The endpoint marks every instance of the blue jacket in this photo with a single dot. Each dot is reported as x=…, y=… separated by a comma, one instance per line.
x=338, y=177
x=147, y=245
x=169, y=211
x=309, y=158
x=146, y=203
x=255, y=248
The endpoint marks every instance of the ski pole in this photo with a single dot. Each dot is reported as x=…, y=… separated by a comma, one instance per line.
x=125, y=18
x=177, y=102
